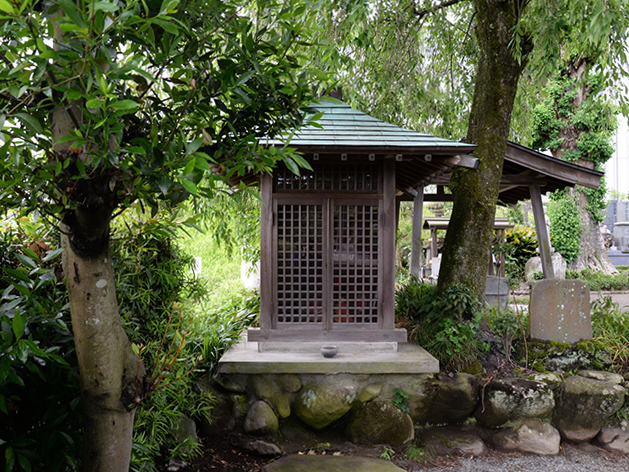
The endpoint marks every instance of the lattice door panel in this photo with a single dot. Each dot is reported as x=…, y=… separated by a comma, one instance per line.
x=355, y=265
x=300, y=264
x=329, y=177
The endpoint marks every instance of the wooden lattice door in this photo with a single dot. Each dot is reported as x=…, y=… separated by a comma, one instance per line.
x=327, y=250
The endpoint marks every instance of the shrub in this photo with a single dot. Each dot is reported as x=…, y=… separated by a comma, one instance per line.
x=506, y=325
x=39, y=381
x=565, y=225
x=446, y=326
x=154, y=283
x=610, y=326
x=520, y=245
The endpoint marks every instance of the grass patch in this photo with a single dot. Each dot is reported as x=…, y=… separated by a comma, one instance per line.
x=597, y=281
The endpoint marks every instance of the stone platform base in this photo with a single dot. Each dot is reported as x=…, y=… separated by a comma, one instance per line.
x=247, y=357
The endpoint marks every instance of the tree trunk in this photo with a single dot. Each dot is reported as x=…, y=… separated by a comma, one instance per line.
x=593, y=254
x=111, y=377
x=467, y=246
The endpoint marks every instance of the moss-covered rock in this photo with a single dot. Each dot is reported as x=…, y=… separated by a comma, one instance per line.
x=266, y=388
x=289, y=383
x=261, y=419
x=560, y=357
x=445, y=400
x=453, y=441
x=320, y=404
x=233, y=383
x=508, y=400
x=379, y=422
x=369, y=392
x=583, y=406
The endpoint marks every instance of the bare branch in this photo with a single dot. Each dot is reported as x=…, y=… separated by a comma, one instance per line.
x=433, y=8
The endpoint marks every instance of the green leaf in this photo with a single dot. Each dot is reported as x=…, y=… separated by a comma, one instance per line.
x=245, y=77
x=17, y=274
x=6, y=7
x=301, y=162
x=94, y=103
x=52, y=254
x=189, y=167
x=30, y=253
x=24, y=462
x=166, y=25
x=69, y=8
x=294, y=168
x=190, y=186
x=27, y=261
x=202, y=164
x=168, y=7
x=19, y=325
x=124, y=105
x=30, y=122
x=136, y=150
x=9, y=459
x=106, y=7
x=4, y=368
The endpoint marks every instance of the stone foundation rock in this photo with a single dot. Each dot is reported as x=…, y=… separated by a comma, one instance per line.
x=451, y=441
x=507, y=400
x=512, y=414
x=379, y=422
x=584, y=404
x=533, y=436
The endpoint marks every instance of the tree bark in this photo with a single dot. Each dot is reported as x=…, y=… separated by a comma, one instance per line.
x=111, y=377
x=593, y=254
x=467, y=246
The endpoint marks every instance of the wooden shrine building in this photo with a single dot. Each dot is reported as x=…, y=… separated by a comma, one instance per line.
x=328, y=235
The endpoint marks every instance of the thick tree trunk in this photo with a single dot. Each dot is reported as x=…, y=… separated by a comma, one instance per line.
x=111, y=377
x=593, y=254
x=467, y=246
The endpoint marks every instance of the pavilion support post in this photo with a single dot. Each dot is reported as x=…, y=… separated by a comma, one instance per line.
x=266, y=252
x=542, y=232
x=416, y=239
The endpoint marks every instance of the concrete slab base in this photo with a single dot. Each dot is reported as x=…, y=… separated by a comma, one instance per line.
x=245, y=357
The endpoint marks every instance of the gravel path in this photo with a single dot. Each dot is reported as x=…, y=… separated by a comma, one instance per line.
x=571, y=459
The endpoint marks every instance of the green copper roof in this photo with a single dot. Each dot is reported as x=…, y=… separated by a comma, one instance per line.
x=345, y=128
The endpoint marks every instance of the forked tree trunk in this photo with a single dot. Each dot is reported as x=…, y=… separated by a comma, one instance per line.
x=110, y=374
x=467, y=246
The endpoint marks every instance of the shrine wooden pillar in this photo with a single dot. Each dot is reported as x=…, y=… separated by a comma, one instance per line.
x=416, y=238
x=543, y=239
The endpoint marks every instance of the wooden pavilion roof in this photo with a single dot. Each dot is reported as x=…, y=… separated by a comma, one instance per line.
x=524, y=167
x=423, y=159
x=343, y=131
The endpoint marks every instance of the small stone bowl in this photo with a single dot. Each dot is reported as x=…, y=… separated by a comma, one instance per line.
x=329, y=351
